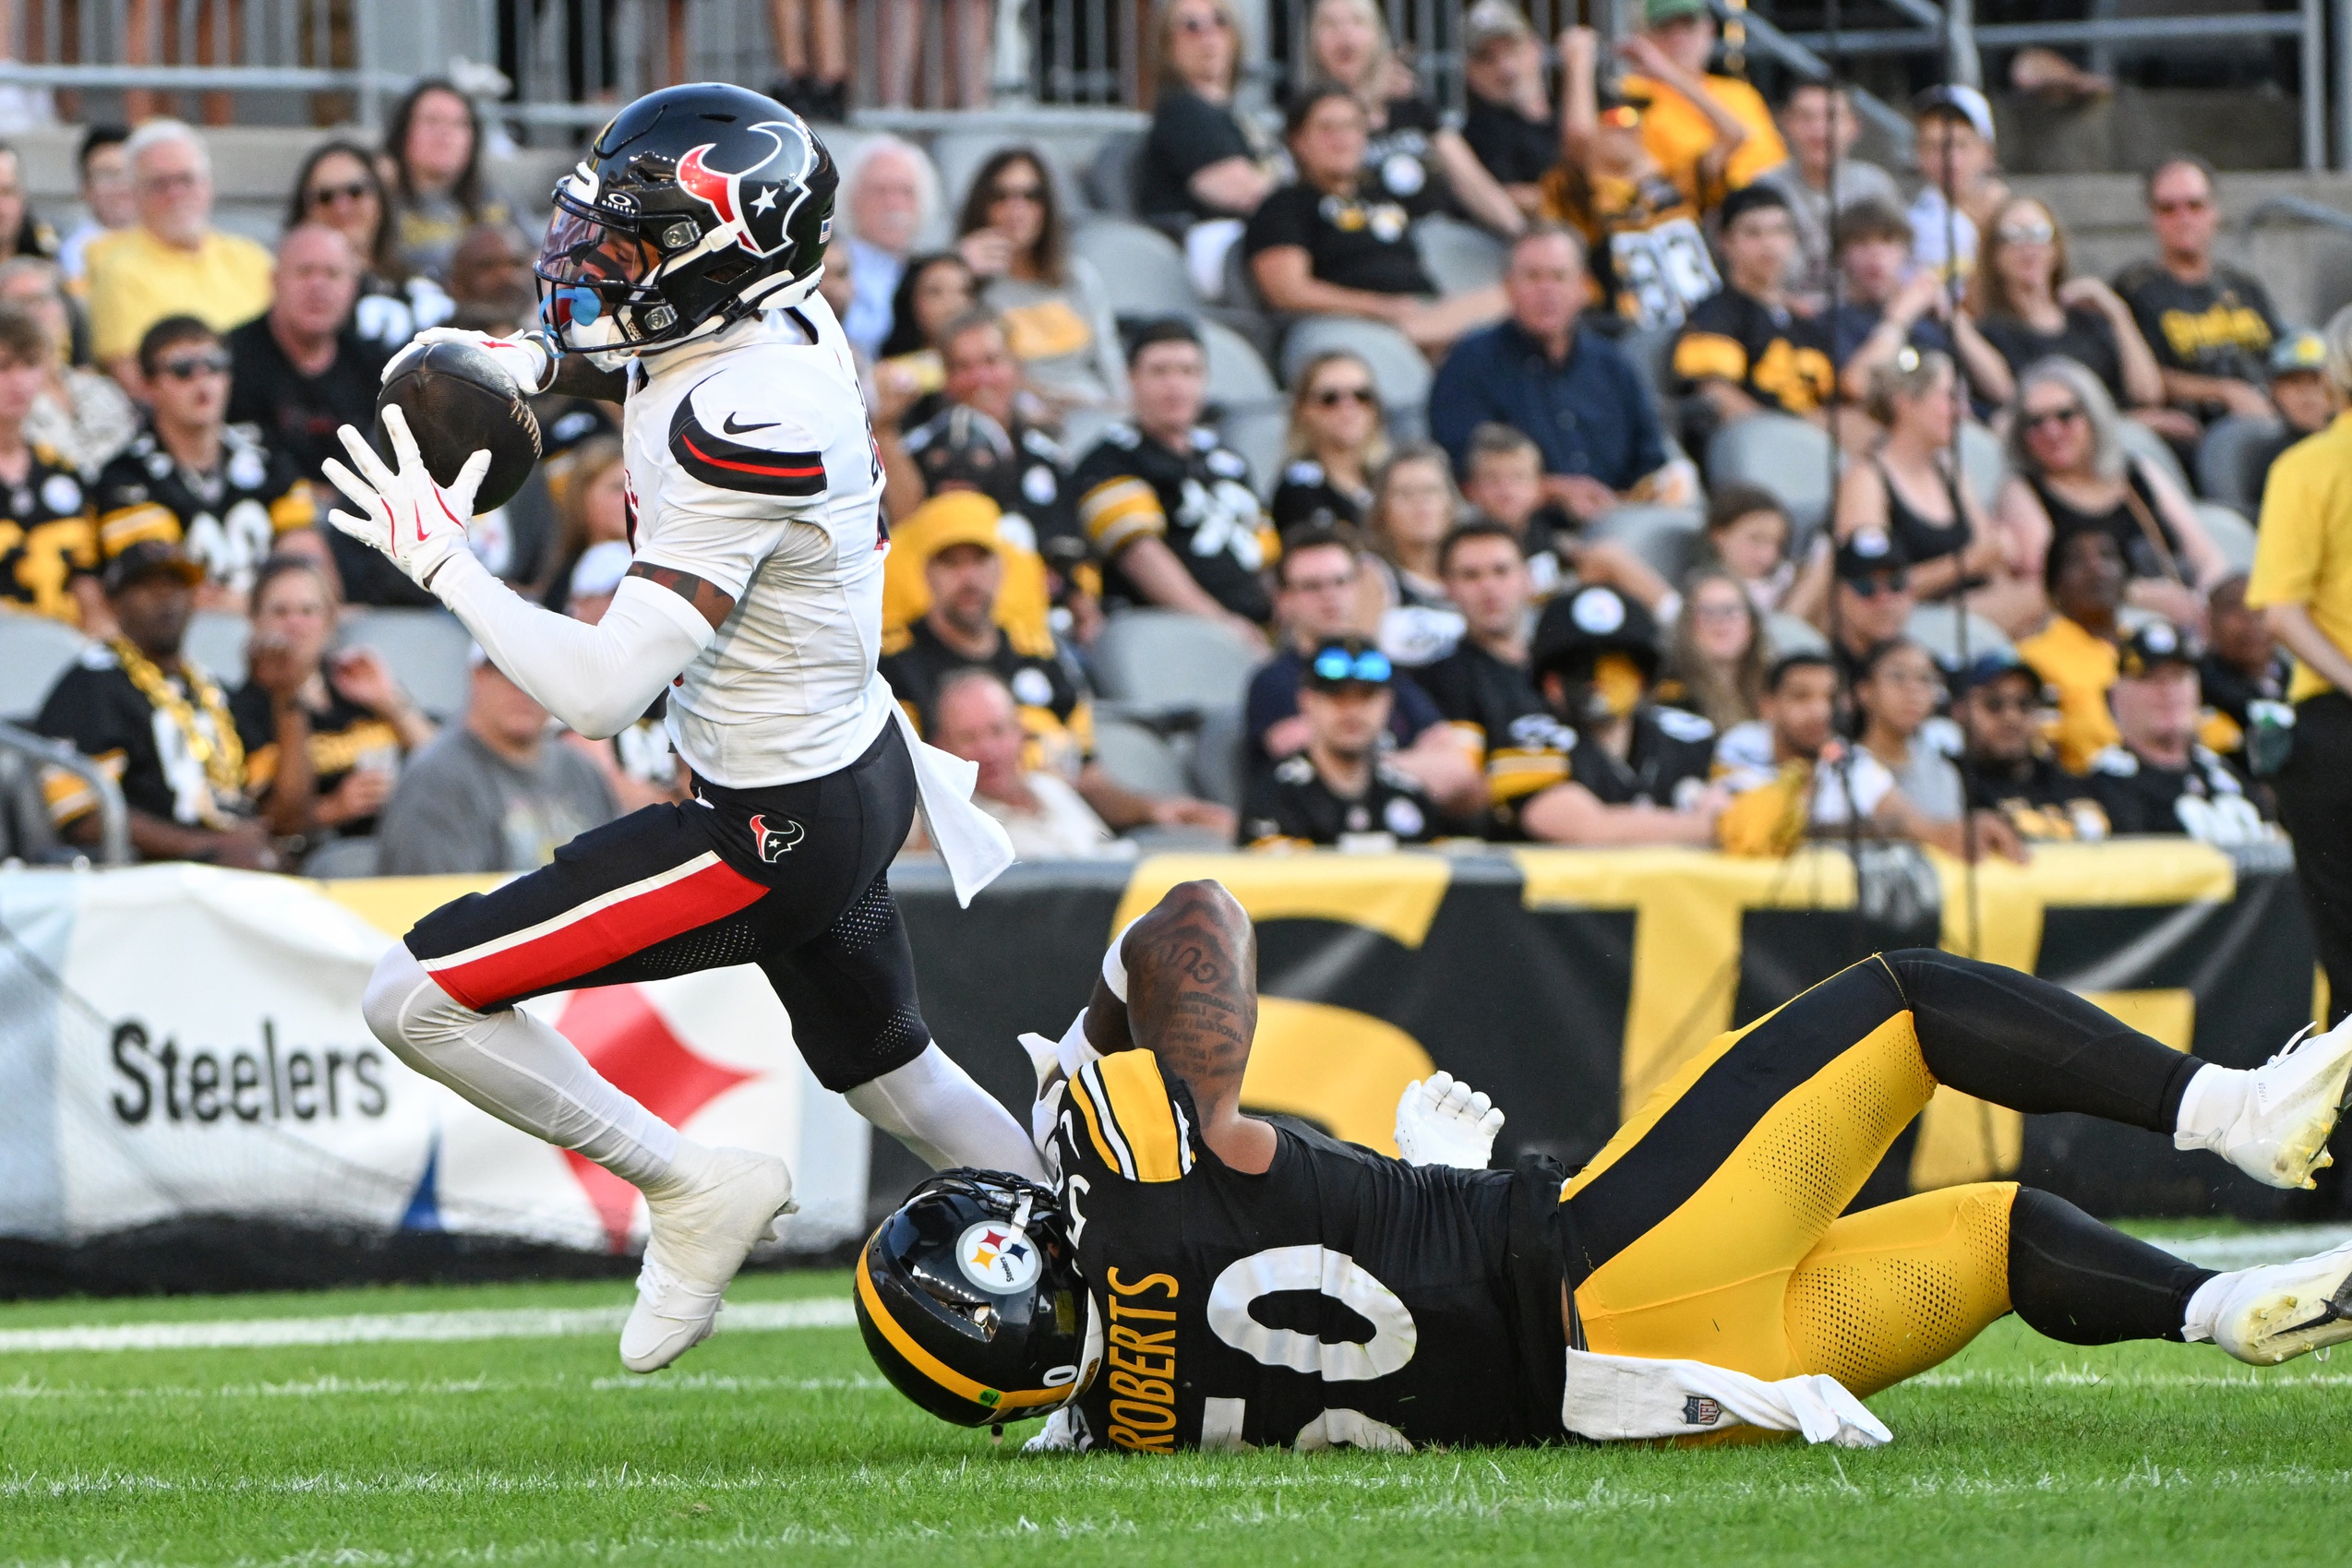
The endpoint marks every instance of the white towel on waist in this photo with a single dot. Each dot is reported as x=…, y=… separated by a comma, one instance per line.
x=1616, y=1398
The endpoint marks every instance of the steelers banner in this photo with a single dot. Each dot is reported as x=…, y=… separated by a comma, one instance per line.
x=182, y=1054
x=1570, y=983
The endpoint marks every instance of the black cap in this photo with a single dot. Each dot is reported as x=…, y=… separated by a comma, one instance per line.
x=1997, y=663
x=1346, y=661
x=1869, y=552
x=2153, y=645
x=151, y=557
x=968, y=448
x=1583, y=624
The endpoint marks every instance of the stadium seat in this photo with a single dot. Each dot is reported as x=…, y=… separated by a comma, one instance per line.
x=1238, y=379
x=216, y=641
x=1081, y=428
x=1138, y=758
x=1398, y=369
x=1785, y=456
x=957, y=155
x=427, y=649
x=342, y=857
x=1261, y=434
x=1937, y=628
x=34, y=651
x=2225, y=461
x=1109, y=179
x=1459, y=258
x=1652, y=350
x=2231, y=531
x=2141, y=442
x=1163, y=662
x=1793, y=634
x=1141, y=268
x=1983, y=462
x=1218, y=766
x=1668, y=538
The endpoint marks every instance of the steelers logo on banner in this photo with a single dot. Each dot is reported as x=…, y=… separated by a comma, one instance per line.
x=998, y=1256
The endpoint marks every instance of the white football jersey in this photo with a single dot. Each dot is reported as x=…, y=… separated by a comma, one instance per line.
x=752, y=466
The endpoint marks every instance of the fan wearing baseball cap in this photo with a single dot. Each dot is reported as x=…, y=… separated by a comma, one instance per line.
x=1339, y=790
x=1997, y=701
x=1677, y=39
x=2158, y=778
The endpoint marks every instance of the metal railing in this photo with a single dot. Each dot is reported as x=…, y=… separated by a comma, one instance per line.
x=114, y=817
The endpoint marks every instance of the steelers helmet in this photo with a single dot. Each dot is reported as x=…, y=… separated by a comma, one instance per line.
x=970, y=1300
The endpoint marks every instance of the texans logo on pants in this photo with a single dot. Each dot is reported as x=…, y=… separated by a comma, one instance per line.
x=775, y=842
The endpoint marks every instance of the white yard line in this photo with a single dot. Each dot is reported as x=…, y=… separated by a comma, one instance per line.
x=2281, y=1244
x=389, y=1328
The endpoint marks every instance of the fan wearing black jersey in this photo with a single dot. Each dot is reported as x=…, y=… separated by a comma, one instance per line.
x=1204, y=1277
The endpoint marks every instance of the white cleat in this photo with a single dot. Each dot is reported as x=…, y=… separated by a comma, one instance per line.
x=2291, y=1104
x=703, y=1226
x=2277, y=1313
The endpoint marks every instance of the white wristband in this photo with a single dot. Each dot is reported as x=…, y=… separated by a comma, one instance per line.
x=1114, y=965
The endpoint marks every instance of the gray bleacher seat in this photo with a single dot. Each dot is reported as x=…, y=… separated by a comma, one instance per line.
x=1785, y=456
x=1668, y=538
x=1398, y=369
x=34, y=651
x=1651, y=349
x=1166, y=662
x=2225, y=460
x=1260, y=433
x=1459, y=258
x=957, y=155
x=426, y=649
x=2230, y=531
x=1983, y=462
x=1081, y=428
x=216, y=641
x=342, y=857
x=1238, y=379
x=1137, y=757
x=1141, y=268
x=2141, y=442
x=1110, y=180
x=1793, y=634
x=1936, y=627
x=1216, y=766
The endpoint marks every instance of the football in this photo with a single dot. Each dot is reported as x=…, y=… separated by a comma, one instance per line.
x=458, y=401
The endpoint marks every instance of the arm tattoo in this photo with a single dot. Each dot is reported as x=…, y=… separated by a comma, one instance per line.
x=1192, y=976
x=711, y=603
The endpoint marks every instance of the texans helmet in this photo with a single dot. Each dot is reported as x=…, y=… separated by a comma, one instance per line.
x=970, y=1300
x=695, y=207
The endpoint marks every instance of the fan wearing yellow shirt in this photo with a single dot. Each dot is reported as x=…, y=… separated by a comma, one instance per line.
x=2302, y=583
x=1677, y=37
x=2075, y=654
x=172, y=261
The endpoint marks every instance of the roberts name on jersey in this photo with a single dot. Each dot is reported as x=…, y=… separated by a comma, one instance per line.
x=751, y=466
x=1340, y=1297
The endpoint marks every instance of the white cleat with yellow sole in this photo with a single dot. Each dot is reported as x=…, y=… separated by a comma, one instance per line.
x=2277, y=1313
x=2288, y=1109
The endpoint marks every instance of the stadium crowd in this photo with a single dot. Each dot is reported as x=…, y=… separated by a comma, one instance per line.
x=1503, y=608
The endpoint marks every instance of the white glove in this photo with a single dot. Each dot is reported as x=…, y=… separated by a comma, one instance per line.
x=527, y=358
x=418, y=523
x=1444, y=1121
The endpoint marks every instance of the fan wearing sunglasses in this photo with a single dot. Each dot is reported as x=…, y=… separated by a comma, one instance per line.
x=1338, y=438
x=1056, y=312
x=1340, y=791
x=1999, y=702
x=219, y=491
x=2210, y=324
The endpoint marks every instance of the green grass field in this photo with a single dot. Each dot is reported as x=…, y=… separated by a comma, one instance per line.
x=782, y=1445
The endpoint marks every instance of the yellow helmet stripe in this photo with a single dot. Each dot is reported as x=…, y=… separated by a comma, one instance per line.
x=939, y=1371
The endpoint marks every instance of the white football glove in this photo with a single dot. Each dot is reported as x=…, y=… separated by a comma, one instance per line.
x=418, y=523
x=527, y=357
x=1441, y=1121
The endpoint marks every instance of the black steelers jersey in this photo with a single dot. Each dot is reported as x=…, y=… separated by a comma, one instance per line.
x=1291, y=806
x=229, y=519
x=1340, y=1297
x=1495, y=707
x=1671, y=758
x=2039, y=799
x=47, y=538
x=1199, y=500
x=2205, y=800
x=1307, y=497
x=1053, y=707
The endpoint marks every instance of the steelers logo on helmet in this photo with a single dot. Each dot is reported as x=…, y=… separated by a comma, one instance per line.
x=997, y=1256
x=1598, y=611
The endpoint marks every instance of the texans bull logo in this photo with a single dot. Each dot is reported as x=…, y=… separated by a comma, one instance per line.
x=774, y=843
x=746, y=200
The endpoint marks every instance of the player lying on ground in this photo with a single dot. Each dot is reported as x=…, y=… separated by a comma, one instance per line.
x=1199, y=1276
x=681, y=269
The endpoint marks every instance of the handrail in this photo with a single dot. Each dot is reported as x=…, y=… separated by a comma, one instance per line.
x=114, y=817
x=1765, y=38
x=2301, y=210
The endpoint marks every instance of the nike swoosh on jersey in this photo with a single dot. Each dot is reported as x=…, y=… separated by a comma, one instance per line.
x=731, y=465
x=730, y=428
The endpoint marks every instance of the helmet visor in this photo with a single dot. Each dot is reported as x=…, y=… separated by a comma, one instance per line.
x=596, y=279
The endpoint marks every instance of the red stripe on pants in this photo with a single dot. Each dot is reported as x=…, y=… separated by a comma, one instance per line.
x=606, y=937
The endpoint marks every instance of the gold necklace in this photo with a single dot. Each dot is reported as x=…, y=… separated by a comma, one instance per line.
x=221, y=753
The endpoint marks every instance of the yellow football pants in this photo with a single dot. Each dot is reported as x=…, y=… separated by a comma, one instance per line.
x=1709, y=1224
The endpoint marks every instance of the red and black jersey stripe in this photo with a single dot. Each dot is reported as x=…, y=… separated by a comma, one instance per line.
x=714, y=458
